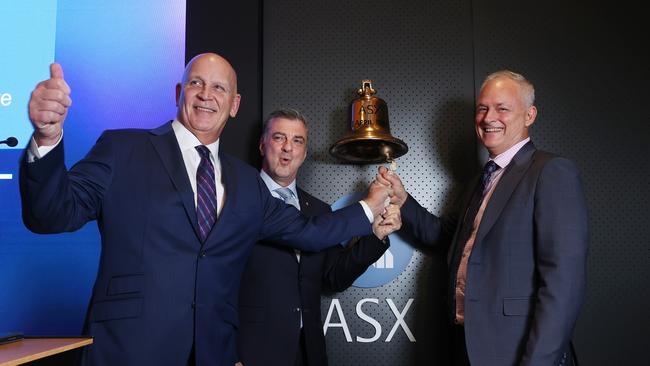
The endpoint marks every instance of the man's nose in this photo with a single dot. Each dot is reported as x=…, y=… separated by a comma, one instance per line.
x=204, y=93
x=490, y=115
x=287, y=145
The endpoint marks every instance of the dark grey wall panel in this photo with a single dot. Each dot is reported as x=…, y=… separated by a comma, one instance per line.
x=233, y=30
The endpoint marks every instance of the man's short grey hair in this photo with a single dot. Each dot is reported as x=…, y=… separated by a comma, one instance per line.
x=288, y=113
x=526, y=86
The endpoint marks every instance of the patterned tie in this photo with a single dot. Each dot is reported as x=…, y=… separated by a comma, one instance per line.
x=479, y=194
x=206, y=193
x=287, y=196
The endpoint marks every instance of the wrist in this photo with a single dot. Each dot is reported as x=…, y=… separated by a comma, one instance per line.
x=47, y=140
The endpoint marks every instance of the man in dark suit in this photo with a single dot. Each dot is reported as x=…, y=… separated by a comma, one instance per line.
x=177, y=218
x=279, y=300
x=518, y=248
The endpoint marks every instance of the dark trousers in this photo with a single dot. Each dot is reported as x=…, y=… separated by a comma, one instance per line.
x=459, y=356
x=301, y=355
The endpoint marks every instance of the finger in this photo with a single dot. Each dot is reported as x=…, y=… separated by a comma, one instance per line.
x=55, y=95
x=52, y=84
x=56, y=71
x=45, y=106
x=382, y=170
x=393, y=179
x=44, y=118
x=380, y=178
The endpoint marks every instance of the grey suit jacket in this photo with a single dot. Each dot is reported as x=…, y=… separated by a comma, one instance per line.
x=526, y=274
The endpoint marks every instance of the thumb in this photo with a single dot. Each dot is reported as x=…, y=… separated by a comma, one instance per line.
x=56, y=71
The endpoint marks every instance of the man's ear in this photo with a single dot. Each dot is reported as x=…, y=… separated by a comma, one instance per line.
x=531, y=114
x=235, y=105
x=178, y=93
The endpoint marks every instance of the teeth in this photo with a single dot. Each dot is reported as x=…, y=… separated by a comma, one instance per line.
x=492, y=129
x=204, y=109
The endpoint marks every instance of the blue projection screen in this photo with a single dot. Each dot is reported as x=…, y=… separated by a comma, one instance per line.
x=122, y=59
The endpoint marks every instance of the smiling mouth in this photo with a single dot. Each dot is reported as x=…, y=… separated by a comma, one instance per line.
x=204, y=109
x=492, y=129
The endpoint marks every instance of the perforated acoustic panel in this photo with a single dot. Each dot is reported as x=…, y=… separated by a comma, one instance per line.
x=419, y=55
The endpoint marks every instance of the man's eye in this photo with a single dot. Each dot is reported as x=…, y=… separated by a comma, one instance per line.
x=195, y=83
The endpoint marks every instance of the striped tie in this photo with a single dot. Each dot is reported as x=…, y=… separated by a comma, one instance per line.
x=287, y=196
x=206, y=193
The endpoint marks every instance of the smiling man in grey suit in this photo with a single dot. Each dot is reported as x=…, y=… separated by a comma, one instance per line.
x=518, y=246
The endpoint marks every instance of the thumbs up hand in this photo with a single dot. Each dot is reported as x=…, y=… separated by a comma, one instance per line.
x=48, y=107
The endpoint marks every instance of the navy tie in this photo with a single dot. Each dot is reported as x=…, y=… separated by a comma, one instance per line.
x=475, y=203
x=206, y=193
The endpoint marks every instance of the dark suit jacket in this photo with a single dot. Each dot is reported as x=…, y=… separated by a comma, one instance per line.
x=526, y=274
x=158, y=288
x=274, y=286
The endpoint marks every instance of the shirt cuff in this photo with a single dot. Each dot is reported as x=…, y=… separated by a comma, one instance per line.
x=35, y=152
x=368, y=211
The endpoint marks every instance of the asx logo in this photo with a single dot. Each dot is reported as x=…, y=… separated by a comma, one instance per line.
x=391, y=264
x=385, y=261
x=369, y=311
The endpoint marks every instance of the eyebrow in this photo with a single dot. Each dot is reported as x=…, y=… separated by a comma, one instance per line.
x=285, y=135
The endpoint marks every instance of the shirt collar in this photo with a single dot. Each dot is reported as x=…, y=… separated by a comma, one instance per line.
x=187, y=140
x=273, y=185
x=503, y=159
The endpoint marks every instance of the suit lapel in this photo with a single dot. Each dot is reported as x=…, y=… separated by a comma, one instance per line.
x=509, y=181
x=166, y=145
x=466, y=198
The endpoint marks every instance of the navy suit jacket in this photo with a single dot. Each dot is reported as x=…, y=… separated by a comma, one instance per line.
x=526, y=274
x=275, y=288
x=159, y=290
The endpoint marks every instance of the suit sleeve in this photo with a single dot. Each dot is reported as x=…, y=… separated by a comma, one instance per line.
x=426, y=227
x=561, y=241
x=57, y=200
x=343, y=265
x=282, y=223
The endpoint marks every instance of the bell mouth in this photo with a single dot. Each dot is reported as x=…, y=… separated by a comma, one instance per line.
x=369, y=149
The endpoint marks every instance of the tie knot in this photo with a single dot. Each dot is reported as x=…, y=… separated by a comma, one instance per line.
x=203, y=151
x=285, y=193
x=490, y=167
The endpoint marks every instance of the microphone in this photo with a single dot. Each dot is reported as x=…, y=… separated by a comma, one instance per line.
x=10, y=141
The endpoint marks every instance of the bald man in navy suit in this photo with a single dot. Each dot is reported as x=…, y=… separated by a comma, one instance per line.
x=517, y=249
x=171, y=258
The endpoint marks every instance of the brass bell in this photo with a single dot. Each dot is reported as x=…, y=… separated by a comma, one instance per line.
x=370, y=140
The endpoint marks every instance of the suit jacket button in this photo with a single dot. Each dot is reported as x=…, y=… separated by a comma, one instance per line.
x=202, y=254
x=193, y=305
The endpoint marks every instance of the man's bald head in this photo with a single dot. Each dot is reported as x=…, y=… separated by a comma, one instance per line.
x=215, y=58
x=207, y=96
